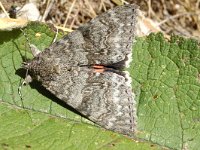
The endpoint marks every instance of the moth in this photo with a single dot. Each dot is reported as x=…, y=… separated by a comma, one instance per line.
x=84, y=69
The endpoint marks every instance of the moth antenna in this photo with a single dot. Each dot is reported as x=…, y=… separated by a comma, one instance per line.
x=22, y=82
x=27, y=77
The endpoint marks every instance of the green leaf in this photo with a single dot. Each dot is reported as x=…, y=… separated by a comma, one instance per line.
x=166, y=81
x=21, y=129
x=38, y=121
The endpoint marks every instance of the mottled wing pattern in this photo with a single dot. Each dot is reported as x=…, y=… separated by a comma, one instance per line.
x=109, y=37
x=65, y=69
x=105, y=98
x=108, y=101
x=106, y=39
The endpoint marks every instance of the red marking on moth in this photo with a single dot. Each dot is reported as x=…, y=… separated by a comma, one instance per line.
x=99, y=68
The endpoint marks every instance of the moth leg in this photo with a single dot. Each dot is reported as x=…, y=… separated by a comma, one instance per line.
x=28, y=79
x=34, y=50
